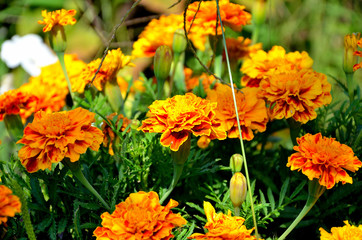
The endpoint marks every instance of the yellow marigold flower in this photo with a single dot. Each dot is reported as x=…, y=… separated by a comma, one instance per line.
x=263, y=64
x=240, y=48
x=347, y=232
x=60, y=17
x=295, y=94
x=325, y=159
x=140, y=216
x=109, y=135
x=113, y=62
x=359, y=54
x=17, y=102
x=181, y=115
x=9, y=204
x=53, y=136
x=251, y=109
x=223, y=227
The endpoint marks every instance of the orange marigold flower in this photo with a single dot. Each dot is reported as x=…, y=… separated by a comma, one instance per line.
x=295, y=94
x=264, y=64
x=60, y=17
x=9, y=204
x=203, y=142
x=223, y=227
x=108, y=133
x=14, y=102
x=113, y=62
x=53, y=136
x=140, y=216
x=359, y=54
x=240, y=48
x=325, y=159
x=251, y=109
x=181, y=115
x=347, y=232
x=191, y=82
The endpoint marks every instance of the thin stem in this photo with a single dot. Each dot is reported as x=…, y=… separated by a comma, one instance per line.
x=350, y=86
x=238, y=121
x=237, y=211
x=177, y=171
x=60, y=56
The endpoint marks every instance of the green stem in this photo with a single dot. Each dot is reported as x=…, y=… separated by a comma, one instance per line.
x=350, y=86
x=24, y=210
x=14, y=126
x=60, y=56
x=294, y=127
x=176, y=58
x=237, y=211
x=77, y=172
x=160, y=83
x=177, y=171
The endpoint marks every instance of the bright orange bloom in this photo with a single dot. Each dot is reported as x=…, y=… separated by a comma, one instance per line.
x=223, y=227
x=359, y=54
x=240, y=48
x=113, y=62
x=53, y=136
x=325, y=159
x=347, y=232
x=60, y=17
x=191, y=82
x=181, y=115
x=16, y=102
x=203, y=142
x=140, y=216
x=295, y=94
x=9, y=204
x=109, y=135
x=264, y=64
x=251, y=109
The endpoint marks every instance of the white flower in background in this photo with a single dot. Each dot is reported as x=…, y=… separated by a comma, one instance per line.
x=29, y=51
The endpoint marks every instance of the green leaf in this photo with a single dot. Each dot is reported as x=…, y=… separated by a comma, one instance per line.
x=89, y=226
x=262, y=198
x=283, y=191
x=298, y=189
x=271, y=198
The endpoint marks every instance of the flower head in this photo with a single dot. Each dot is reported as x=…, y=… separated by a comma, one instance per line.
x=9, y=204
x=295, y=94
x=251, y=110
x=53, y=136
x=240, y=48
x=264, y=64
x=140, y=216
x=223, y=227
x=347, y=232
x=325, y=159
x=17, y=102
x=193, y=81
x=180, y=116
x=113, y=62
x=60, y=17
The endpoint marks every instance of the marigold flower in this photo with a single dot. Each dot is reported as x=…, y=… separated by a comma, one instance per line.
x=17, y=102
x=203, y=142
x=60, y=17
x=140, y=216
x=264, y=64
x=295, y=94
x=251, y=109
x=325, y=159
x=9, y=204
x=181, y=115
x=108, y=133
x=347, y=232
x=53, y=136
x=194, y=81
x=359, y=54
x=240, y=48
x=113, y=62
x=221, y=226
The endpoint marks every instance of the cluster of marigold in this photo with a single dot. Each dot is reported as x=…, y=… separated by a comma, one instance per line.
x=277, y=85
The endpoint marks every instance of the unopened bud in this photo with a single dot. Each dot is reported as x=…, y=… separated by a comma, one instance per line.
x=350, y=46
x=259, y=11
x=236, y=162
x=179, y=41
x=162, y=62
x=238, y=189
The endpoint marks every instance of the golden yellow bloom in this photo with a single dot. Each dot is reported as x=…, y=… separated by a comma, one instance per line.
x=295, y=94
x=223, y=227
x=240, y=48
x=109, y=135
x=264, y=64
x=53, y=136
x=9, y=204
x=113, y=62
x=359, y=54
x=347, y=232
x=140, y=216
x=325, y=159
x=181, y=115
x=14, y=102
x=251, y=109
x=60, y=17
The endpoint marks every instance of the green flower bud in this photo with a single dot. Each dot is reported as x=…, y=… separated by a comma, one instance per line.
x=179, y=41
x=162, y=62
x=238, y=189
x=236, y=162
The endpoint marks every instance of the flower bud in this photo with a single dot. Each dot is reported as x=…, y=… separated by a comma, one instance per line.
x=350, y=46
x=179, y=41
x=236, y=162
x=203, y=142
x=162, y=62
x=259, y=12
x=238, y=189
